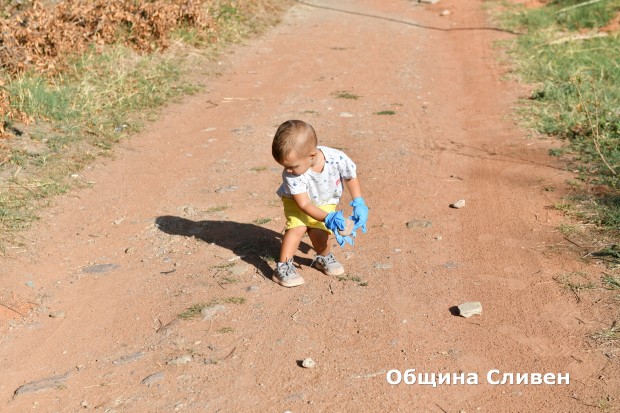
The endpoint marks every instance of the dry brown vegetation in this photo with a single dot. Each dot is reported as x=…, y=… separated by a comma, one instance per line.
x=39, y=37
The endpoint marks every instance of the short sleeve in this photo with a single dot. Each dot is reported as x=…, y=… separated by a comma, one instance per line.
x=295, y=184
x=346, y=167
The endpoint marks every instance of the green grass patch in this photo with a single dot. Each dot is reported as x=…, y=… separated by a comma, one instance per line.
x=343, y=94
x=217, y=208
x=608, y=334
x=611, y=282
x=576, y=79
x=261, y=221
x=386, y=112
x=196, y=309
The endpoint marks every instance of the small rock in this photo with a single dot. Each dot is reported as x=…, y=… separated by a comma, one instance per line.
x=153, y=378
x=445, y=12
x=57, y=314
x=346, y=115
x=419, y=224
x=54, y=382
x=470, y=308
x=428, y=1
x=30, y=284
x=129, y=358
x=458, y=204
x=238, y=269
x=184, y=359
x=227, y=189
x=100, y=268
x=209, y=312
x=252, y=289
x=308, y=363
x=381, y=266
x=85, y=404
x=348, y=227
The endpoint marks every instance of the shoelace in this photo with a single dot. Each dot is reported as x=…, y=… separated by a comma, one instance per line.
x=324, y=259
x=289, y=267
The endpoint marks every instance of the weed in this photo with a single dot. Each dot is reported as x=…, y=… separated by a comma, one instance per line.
x=567, y=281
x=608, y=334
x=229, y=280
x=611, y=282
x=217, y=208
x=343, y=94
x=259, y=169
x=223, y=266
x=225, y=330
x=196, y=309
x=261, y=221
x=235, y=300
x=386, y=112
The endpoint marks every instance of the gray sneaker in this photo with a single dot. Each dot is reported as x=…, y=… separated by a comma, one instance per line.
x=286, y=275
x=328, y=264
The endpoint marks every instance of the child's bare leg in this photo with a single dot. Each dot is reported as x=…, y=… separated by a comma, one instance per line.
x=319, y=240
x=290, y=243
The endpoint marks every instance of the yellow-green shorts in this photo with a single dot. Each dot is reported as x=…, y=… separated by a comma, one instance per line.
x=295, y=217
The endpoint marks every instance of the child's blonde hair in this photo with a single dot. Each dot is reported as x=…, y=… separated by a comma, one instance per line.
x=293, y=136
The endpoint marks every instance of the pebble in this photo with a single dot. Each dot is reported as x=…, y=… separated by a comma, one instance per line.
x=252, y=289
x=227, y=189
x=346, y=115
x=238, y=269
x=470, y=308
x=308, y=363
x=129, y=358
x=100, y=268
x=419, y=224
x=445, y=12
x=57, y=314
x=153, y=378
x=381, y=266
x=184, y=359
x=209, y=312
x=458, y=204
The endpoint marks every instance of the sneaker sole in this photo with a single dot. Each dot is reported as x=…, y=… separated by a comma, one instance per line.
x=295, y=283
x=332, y=273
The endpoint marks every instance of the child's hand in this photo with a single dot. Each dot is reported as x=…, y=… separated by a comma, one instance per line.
x=334, y=222
x=360, y=214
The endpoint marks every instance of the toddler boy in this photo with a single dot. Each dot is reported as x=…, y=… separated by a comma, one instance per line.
x=312, y=186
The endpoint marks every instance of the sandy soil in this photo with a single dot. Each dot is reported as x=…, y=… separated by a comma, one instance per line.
x=186, y=215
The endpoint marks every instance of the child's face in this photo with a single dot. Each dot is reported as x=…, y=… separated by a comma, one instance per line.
x=297, y=165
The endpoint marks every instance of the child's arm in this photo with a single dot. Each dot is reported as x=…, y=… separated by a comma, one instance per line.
x=304, y=203
x=353, y=185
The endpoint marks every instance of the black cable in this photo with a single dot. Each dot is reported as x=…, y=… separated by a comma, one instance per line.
x=421, y=26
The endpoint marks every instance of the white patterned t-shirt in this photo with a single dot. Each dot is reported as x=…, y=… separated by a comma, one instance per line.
x=323, y=187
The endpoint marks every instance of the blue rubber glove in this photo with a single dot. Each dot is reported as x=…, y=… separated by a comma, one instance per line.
x=360, y=214
x=335, y=221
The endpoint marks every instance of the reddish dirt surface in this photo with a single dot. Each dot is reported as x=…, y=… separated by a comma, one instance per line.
x=155, y=213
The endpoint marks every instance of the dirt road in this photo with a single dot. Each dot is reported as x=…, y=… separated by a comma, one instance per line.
x=185, y=217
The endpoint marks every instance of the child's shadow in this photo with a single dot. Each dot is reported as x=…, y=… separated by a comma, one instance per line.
x=254, y=244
